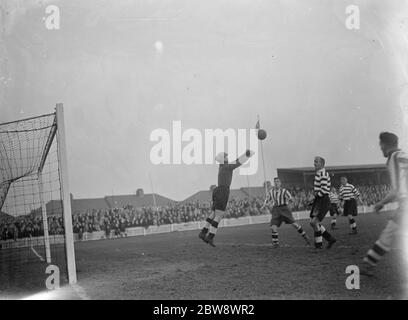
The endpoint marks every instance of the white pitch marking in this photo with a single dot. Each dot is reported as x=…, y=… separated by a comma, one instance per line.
x=37, y=254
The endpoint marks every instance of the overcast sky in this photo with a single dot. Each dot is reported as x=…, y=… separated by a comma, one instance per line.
x=318, y=87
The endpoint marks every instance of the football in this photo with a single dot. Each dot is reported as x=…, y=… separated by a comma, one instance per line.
x=261, y=134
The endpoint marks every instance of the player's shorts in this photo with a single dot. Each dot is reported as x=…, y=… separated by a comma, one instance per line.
x=220, y=197
x=281, y=214
x=333, y=209
x=320, y=207
x=350, y=207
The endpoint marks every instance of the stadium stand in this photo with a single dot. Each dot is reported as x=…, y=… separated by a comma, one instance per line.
x=113, y=215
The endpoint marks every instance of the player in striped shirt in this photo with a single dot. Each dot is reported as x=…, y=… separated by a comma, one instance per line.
x=321, y=204
x=397, y=165
x=334, y=207
x=349, y=195
x=281, y=199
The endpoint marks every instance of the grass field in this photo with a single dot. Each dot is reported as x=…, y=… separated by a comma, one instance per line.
x=243, y=266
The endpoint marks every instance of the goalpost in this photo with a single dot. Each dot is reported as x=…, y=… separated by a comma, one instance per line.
x=35, y=203
x=65, y=195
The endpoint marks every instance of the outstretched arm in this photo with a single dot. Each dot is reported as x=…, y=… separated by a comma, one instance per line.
x=390, y=197
x=267, y=200
x=240, y=160
x=289, y=199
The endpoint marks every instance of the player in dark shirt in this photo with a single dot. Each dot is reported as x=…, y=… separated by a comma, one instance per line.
x=220, y=194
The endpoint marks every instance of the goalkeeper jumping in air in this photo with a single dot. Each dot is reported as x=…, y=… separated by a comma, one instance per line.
x=220, y=194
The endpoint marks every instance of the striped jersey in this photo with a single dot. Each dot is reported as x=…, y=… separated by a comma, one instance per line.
x=348, y=191
x=279, y=196
x=322, y=183
x=334, y=198
x=397, y=165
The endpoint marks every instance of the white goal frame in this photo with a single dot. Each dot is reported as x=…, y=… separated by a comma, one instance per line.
x=65, y=194
x=57, y=134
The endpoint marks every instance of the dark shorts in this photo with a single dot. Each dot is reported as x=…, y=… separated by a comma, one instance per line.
x=350, y=207
x=333, y=209
x=220, y=197
x=281, y=214
x=320, y=207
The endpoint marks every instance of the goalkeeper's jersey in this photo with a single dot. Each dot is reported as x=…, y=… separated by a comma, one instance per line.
x=225, y=173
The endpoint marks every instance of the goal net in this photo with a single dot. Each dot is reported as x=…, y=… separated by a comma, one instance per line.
x=34, y=218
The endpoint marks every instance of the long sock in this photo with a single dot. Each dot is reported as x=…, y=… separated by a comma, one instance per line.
x=214, y=224
x=300, y=230
x=275, y=237
x=376, y=253
x=213, y=228
x=207, y=226
x=353, y=224
x=208, y=222
x=318, y=238
x=325, y=234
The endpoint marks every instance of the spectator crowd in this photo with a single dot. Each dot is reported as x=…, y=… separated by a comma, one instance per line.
x=29, y=226
x=114, y=221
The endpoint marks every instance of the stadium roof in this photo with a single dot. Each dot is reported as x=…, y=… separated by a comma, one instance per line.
x=88, y=204
x=339, y=168
x=119, y=201
x=239, y=194
x=201, y=196
x=254, y=191
x=144, y=200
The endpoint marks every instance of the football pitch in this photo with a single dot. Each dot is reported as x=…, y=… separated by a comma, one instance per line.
x=243, y=265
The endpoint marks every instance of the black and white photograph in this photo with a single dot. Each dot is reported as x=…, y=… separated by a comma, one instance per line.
x=203, y=154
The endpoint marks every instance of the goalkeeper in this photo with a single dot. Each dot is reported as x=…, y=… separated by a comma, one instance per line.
x=220, y=194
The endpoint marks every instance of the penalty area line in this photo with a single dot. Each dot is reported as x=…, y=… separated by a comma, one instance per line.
x=36, y=253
